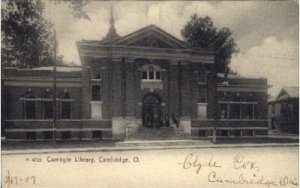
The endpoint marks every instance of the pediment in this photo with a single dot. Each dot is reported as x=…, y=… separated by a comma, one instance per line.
x=153, y=37
x=151, y=41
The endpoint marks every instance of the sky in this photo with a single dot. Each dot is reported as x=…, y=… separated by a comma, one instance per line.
x=266, y=32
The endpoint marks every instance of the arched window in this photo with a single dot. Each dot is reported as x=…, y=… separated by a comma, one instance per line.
x=47, y=105
x=65, y=105
x=151, y=73
x=29, y=104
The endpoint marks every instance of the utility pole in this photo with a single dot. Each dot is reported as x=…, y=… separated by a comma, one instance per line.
x=54, y=90
x=215, y=124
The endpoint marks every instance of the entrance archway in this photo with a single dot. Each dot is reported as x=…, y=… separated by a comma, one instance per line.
x=151, y=113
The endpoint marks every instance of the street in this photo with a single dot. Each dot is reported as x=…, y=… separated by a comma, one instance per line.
x=206, y=167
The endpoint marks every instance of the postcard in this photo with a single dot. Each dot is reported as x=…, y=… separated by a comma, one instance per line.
x=149, y=94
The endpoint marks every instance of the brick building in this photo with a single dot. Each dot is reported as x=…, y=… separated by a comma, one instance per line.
x=128, y=85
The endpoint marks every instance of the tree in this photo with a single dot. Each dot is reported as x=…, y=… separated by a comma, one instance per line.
x=201, y=33
x=26, y=37
x=77, y=8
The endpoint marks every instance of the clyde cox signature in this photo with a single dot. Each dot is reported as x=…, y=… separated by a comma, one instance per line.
x=239, y=162
x=192, y=161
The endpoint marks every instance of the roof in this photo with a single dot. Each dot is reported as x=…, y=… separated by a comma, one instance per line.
x=292, y=91
x=47, y=68
x=60, y=68
x=149, y=36
x=288, y=93
x=147, y=29
x=237, y=76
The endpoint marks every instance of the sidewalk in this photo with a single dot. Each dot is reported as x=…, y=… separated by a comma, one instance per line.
x=149, y=145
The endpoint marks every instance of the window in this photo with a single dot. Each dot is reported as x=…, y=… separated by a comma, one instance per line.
x=30, y=109
x=157, y=75
x=247, y=132
x=202, y=133
x=151, y=73
x=234, y=111
x=202, y=94
x=29, y=105
x=96, y=93
x=97, y=134
x=65, y=105
x=66, y=135
x=98, y=76
x=31, y=135
x=48, y=109
x=144, y=75
x=223, y=111
x=48, y=135
x=237, y=133
x=201, y=76
x=247, y=111
x=47, y=105
x=222, y=133
x=65, y=110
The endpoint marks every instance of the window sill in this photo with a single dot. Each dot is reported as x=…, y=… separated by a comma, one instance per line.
x=96, y=80
x=95, y=101
x=202, y=103
x=149, y=81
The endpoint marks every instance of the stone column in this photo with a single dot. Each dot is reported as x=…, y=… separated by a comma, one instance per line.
x=130, y=88
x=194, y=92
x=173, y=87
x=186, y=89
x=105, y=89
x=86, y=93
x=116, y=87
x=117, y=92
x=186, y=74
x=211, y=94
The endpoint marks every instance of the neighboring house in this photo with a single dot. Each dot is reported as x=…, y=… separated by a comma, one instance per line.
x=144, y=79
x=283, y=112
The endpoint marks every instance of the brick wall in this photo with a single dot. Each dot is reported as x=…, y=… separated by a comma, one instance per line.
x=14, y=106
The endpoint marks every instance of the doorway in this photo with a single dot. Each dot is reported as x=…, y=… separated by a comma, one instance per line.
x=151, y=113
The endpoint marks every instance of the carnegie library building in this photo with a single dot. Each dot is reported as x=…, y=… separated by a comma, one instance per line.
x=142, y=85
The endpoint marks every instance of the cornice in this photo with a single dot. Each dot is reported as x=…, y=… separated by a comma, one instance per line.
x=147, y=53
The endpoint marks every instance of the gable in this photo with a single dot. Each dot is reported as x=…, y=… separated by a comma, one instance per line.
x=151, y=36
x=282, y=95
x=152, y=41
x=288, y=92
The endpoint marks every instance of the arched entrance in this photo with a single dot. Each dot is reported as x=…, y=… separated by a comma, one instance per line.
x=151, y=113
